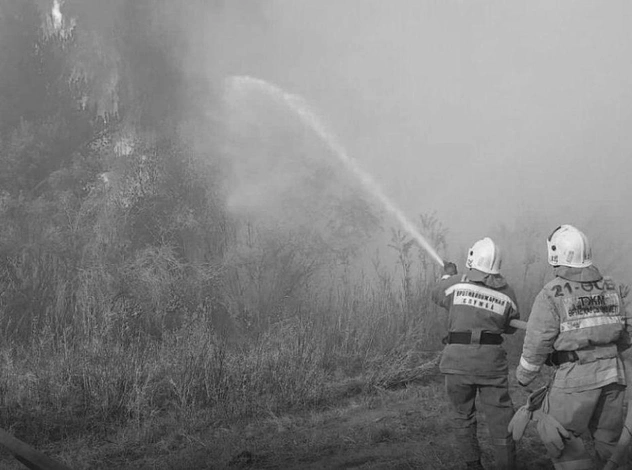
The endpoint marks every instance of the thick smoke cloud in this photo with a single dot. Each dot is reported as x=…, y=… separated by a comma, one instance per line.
x=490, y=113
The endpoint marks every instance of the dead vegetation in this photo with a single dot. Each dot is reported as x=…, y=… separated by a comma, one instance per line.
x=143, y=382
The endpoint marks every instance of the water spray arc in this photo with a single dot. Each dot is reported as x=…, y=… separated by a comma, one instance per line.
x=243, y=84
x=240, y=85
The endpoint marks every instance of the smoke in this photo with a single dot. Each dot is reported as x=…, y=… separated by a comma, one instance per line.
x=496, y=115
x=286, y=174
x=242, y=85
x=483, y=111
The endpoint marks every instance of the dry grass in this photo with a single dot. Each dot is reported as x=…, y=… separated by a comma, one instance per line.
x=404, y=428
x=342, y=366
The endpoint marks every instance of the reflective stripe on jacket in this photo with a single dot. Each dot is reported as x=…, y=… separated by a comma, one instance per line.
x=476, y=307
x=577, y=311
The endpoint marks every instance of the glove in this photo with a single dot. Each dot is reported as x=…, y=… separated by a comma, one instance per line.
x=534, y=401
x=519, y=422
x=449, y=268
x=551, y=433
x=521, y=418
x=524, y=376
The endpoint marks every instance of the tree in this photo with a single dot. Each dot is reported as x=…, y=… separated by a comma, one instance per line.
x=22, y=82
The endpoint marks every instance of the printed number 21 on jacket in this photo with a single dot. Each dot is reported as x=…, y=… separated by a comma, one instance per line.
x=588, y=304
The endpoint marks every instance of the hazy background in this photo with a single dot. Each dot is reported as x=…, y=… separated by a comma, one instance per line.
x=486, y=112
x=179, y=248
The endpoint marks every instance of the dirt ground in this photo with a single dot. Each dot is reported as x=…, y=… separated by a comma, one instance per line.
x=396, y=429
x=405, y=429
x=402, y=429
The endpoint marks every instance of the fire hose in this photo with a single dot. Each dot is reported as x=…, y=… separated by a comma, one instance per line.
x=30, y=457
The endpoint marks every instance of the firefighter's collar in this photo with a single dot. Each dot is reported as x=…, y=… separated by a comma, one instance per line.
x=589, y=274
x=495, y=281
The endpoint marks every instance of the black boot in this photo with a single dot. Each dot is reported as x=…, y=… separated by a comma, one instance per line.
x=475, y=465
x=505, y=456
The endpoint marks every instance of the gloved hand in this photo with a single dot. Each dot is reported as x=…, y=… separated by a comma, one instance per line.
x=449, y=268
x=521, y=418
x=519, y=422
x=551, y=433
x=524, y=376
x=535, y=399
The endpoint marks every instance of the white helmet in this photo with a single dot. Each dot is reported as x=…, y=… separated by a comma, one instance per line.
x=484, y=256
x=569, y=246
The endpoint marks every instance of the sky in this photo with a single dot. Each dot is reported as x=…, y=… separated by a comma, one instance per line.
x=482, y=111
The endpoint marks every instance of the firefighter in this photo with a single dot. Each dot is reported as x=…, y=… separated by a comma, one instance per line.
x=578, y=324
x=480, y=305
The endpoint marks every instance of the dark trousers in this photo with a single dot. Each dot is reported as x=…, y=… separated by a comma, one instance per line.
x=495, y=402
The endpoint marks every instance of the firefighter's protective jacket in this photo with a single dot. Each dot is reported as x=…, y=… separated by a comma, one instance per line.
x=476, y=303
x=580, y=311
